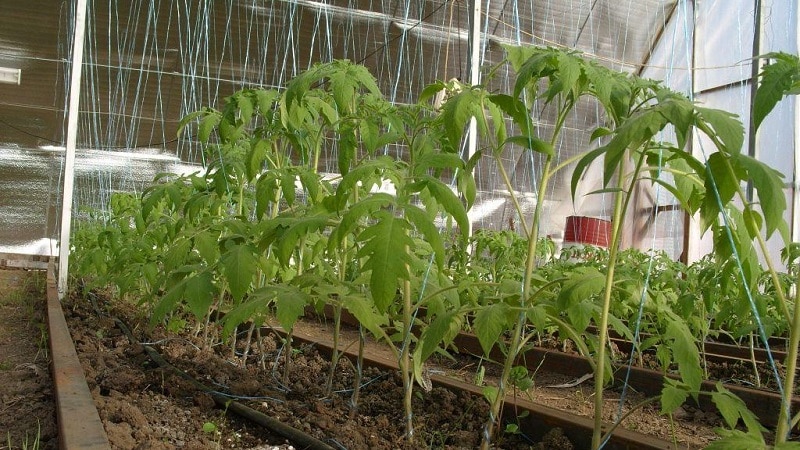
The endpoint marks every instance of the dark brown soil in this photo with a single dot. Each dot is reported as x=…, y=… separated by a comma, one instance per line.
x=141, y=403
x=144, y=406
x=27, y=408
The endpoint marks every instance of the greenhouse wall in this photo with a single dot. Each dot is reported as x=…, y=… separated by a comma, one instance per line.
x=147, y=64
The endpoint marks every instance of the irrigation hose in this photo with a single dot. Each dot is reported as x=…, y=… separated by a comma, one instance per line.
x=297, y=437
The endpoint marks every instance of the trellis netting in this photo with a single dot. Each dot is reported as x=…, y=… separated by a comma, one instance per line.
x=149, y=63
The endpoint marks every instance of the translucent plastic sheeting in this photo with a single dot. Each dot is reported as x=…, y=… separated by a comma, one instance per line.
x=30, y=182
x=149, y=63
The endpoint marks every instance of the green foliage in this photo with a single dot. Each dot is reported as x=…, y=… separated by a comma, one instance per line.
x=780, y=77
x=259, y=234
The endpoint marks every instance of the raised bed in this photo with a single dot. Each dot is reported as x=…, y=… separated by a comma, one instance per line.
x=538, y=419
x=763, y=403
x=79, y=425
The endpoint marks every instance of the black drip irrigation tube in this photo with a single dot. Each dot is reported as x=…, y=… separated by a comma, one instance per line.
x=297, y=438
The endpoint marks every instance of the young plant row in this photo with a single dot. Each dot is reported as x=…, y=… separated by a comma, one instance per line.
x=261, y=233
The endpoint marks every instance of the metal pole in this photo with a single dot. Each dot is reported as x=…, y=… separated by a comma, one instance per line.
x=72, y=137
x=796, y=174
x=474, y=78
x=752, y=141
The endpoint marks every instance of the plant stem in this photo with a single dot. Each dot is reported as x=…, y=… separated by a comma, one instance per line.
x=516, y=339
x=287, y=358
x=514, y=200
x=530, y=264
x=337, y=320
x=782, y=431
x=359, y=375
x=631, y=411
x=248, y=343
x=753, y=359
x=405, y=361
x=620, y=204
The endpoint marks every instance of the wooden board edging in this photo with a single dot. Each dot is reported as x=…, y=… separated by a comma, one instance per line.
x=79, y=424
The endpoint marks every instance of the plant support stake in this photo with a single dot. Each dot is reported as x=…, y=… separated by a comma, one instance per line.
x=72, y=137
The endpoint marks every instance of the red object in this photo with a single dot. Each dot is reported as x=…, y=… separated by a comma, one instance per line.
x=587, y=230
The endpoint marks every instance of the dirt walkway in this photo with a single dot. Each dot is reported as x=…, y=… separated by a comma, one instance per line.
x=27, y=408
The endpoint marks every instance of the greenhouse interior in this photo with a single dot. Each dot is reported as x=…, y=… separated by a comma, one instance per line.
x=381, y=224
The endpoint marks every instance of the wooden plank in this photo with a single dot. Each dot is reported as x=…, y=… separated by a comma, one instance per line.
x=764, y=404
x=79, y=425
x=21, y=261
x=539, y=420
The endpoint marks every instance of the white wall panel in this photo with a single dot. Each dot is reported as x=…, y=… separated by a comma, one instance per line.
x=724, y=42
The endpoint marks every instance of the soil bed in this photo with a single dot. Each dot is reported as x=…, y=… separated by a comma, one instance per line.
x=27, y=408
x=143, y=406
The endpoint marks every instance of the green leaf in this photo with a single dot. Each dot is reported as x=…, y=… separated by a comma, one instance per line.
x=449, y=201
x=768, y=182
x=266, y=101
x=537, y=315
x=490, y=393
x=737, y=440
x=726, y=126
x=199, y=293
x=441, y=330
x=684, y=352
x=436, y=160
x=366, y=174
x=255, y=158
x=290, y=304
x=266, y=191
x=581, y=285
x=458, y=111
x=294, y=228
x=206, y=244
x=253, y=309
x=777, y=80
x=673, y=395
x=517, y=55
x=207, y=123
x=679, y=111
x=532, y=143
x=569, y=69
x=632, y=134
x=720, y=187
x=386, y=247
x=365, y=208
x=168, y=302
x=538, y=63
x=600, y=132
x=364, y=311
x=490, y=322
x=753, y=222
x=580, y=314
x=732, y=408
x=239, y=267
x=185, y=121
x=245, y=105
x=516, y=109
x=465, y=182
x=177, y=254
x=288, y=184
x=428, y=228
x=581, y=167
x=312, y=183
